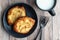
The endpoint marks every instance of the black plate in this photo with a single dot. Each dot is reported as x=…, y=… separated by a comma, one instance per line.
x=29, y=11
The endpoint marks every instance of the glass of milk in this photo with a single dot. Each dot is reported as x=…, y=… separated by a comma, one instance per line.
x=46, y=5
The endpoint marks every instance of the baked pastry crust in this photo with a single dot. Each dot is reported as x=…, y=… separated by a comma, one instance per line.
x=23, y=25
x=15, y=13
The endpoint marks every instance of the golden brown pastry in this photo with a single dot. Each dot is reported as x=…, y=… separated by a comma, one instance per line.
x=14, y=13
x=23, y=25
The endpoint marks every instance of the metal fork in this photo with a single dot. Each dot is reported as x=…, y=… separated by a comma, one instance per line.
x=42, y=23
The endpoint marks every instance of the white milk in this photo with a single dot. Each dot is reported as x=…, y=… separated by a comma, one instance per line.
x=45, y=4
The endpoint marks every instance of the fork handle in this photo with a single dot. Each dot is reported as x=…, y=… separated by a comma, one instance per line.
x=40, y=30
x=40, y=35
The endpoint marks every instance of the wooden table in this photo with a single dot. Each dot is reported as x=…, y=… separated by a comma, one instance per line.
x=50, y=32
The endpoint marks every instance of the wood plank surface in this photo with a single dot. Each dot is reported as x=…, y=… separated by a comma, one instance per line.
x=50, y=32
x=3, y=34
x=56, y=22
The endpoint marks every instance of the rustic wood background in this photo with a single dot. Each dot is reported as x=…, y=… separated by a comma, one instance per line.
x=50, y=32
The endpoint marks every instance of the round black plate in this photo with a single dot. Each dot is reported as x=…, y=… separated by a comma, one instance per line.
x=29, y=11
